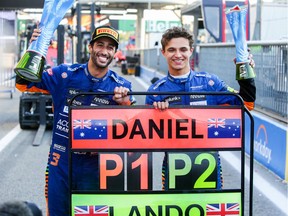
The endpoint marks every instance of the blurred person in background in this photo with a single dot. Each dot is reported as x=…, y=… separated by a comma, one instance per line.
x=19, y=208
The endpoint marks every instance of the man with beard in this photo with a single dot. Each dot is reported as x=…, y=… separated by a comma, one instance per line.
x=63, y=82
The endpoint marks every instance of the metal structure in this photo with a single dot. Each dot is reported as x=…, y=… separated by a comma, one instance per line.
x=136, y=192
x=36, y=111
x=271, y=70
x=125, y=4
x=106, y=4
x=8, y=41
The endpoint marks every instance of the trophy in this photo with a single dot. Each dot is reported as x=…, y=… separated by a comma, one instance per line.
x=236, y=17
x=30, y=66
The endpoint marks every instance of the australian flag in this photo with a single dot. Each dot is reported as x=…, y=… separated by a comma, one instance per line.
x=223, y=209
x=90, y=129
x=224, y=128
x=102, y=210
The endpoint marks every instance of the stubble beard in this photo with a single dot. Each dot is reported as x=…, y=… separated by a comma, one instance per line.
x=97, y=64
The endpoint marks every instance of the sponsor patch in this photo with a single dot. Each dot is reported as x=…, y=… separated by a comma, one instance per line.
x=211, y=82
x=49, y=71
x=64, y=75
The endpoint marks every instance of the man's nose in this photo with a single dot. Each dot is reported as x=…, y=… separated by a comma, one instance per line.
x=177, y=53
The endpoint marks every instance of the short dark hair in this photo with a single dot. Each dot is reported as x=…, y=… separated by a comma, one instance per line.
x=176, y=32
x=15, y=208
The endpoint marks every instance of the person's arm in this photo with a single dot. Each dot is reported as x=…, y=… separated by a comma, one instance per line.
x=247, y=87
x=248, y=92
x=27, y=86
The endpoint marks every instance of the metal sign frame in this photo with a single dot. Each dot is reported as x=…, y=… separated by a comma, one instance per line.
x=76, y=112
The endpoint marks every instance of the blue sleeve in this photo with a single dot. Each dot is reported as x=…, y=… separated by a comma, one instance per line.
x=221, y=86
x=50, y=79
x=149, y=98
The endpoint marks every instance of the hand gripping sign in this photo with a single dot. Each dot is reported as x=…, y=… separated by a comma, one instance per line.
x=30, y=66
x=128, y=141
x=236, y=17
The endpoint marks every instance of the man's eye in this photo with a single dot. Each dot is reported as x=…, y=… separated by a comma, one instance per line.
x=184, y=49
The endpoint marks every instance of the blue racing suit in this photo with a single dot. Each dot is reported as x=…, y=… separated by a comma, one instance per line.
x=63, y=82
x=200, y=82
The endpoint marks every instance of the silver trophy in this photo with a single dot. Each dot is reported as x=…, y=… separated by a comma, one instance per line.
x=236, y=18
x=30, y=66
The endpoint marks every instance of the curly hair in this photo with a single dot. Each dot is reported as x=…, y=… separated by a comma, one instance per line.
x=176, y=32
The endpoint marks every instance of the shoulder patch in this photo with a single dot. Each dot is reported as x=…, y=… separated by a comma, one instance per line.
x=64, y=75
x=50, y=71
x=116, y=79
x=159, y=83
x=75, y=67
x=211, y=82
x=202, y=74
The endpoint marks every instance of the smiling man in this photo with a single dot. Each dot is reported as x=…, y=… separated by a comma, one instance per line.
x=177, y=48
x=63, y=83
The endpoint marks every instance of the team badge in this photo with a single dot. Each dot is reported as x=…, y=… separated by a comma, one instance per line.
x=211, y=82
x=64, y=75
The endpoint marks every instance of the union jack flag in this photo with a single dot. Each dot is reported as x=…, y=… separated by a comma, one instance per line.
x=81, y=124
x=223, y=209
x=214, y=122
x=224, y=128
x=91, y=210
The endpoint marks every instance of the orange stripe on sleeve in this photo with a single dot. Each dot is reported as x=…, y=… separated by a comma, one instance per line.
x=249, y=105
x=23, y=88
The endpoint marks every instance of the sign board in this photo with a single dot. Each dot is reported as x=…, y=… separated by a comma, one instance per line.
x=125, y=139
x=142, y=129
x=157, y=204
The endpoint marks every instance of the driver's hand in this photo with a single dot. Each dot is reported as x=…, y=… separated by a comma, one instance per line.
x=36, y=33
x=250, y=58
x=121, y=95
x=161, y=105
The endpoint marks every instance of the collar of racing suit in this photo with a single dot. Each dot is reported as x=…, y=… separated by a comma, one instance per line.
x=94, y=79
x=180, y=80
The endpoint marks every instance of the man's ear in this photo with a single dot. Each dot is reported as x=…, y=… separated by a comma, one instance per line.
x=90, y=47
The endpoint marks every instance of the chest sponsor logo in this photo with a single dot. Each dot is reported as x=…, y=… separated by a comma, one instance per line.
x=198, y=100
x=100, y=101
x=63, y=125
x=70, y=94
x=173, y=99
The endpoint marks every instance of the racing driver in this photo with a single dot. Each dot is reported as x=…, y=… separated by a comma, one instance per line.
x=177, y=49
x=63, y=82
